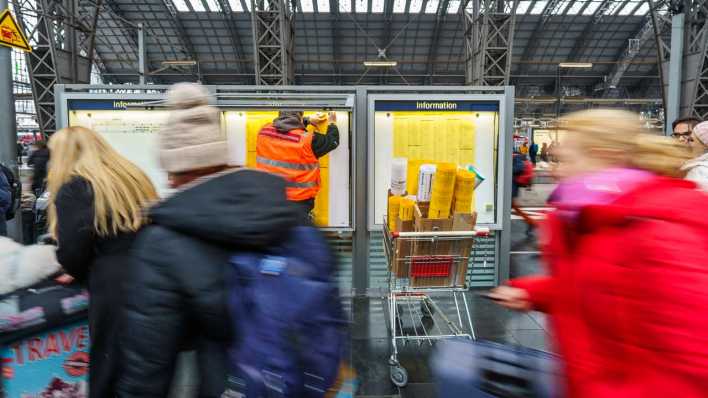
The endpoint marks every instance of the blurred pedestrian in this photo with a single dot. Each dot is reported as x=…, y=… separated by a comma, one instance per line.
x=533, y=153
x=5, y=202
x=683, y=130
x=39, y=159
x=95, y=209
x=626, y=251
x=180, y=271
x=697, y=168
x=287, y=149
x=544, y=152
x=522, y=177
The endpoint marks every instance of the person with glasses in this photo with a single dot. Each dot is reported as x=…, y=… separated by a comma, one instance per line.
x=683, y=129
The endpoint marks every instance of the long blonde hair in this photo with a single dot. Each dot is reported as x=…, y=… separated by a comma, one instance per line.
x=620, y=132
x=120, y=189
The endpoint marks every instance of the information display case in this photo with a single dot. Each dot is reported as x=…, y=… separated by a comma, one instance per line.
x=130, y=123
x=431, y=129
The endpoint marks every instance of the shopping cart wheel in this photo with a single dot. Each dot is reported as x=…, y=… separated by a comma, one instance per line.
x=399, y=376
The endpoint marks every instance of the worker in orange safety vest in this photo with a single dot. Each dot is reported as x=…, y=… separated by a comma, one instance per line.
x=286, y=148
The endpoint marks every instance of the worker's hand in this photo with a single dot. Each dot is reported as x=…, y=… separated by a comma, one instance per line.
x=315, y=119
x=512, y=298
x=332, y=116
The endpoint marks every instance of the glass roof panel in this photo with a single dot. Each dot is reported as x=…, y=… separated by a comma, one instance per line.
x=643, y=9
x=362, y=6
x=539, y=7
x=523, y=7
x=415, y=6
x=432, y=6
x=453, y=7
x=236, y=5
x=213, y=5
x=592, y=7
x=345, y=5
x=180, y=5
x=377, y=6
x=307, y=6
x=627, y=8
x=576, y=7
x=399, y=6
x=197, y=5
x=323, y=5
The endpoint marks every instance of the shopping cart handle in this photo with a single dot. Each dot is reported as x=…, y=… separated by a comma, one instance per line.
x=481, y=231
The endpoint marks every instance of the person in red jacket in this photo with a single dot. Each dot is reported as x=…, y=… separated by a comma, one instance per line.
x=627, y=250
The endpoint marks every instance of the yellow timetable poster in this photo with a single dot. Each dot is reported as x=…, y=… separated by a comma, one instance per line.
x=456, y=132
x=332, y=202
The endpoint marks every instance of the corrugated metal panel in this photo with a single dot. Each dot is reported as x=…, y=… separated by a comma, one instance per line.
x=378, y=267
x=342, y=247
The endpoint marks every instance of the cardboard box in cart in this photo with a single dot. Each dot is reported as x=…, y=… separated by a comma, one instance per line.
x=443, y=253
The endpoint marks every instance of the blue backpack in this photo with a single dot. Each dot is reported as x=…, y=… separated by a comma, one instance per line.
x=288, y=320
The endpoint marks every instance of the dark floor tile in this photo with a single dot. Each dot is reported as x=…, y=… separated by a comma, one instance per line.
x=419, y=390
x=369, y=319
x=370, y=359
x=536, y=339
x=521, y=321
x=541, y=319
x=525, y=264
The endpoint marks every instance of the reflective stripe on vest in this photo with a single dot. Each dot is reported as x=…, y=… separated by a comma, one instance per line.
x=287, y=165
x=290, y=155
x=301, y=184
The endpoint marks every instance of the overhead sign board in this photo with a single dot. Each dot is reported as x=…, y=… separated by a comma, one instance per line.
x=10, y=33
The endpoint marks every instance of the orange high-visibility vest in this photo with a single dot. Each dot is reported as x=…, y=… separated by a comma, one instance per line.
x=290, y=156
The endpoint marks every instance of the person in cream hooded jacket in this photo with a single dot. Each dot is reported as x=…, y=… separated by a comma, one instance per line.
x=697, y=168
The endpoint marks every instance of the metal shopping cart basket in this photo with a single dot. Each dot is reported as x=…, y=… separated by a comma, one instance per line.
x=423, y=264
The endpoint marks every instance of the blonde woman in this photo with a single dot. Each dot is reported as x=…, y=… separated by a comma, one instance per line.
x=627, y=250
x=95, y=210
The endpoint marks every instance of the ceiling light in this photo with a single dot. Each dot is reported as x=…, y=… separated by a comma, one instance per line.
x=575, y=65
x=380, y=63
x=179, y=63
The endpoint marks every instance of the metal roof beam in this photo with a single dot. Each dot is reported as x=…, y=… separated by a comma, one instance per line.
x=233, y=33
x=334, y=29
x=439, y=23
x=627, y=55
x=534, y=42
x=182, y=33
x=584, y=37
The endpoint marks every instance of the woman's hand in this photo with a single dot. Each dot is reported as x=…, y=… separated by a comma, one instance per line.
x=512, y=298
x=64, y=279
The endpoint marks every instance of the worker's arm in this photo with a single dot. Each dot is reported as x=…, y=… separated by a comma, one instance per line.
x=323, y=144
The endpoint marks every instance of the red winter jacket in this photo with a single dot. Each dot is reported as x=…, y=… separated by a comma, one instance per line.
x=628, y=294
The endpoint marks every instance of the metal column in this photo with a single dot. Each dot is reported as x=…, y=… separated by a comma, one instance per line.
x=272, y=23
x=360, y=263
x=62, y=35
x=8, y=130
x=673, y=95
x=697, y=58
x=489, y=38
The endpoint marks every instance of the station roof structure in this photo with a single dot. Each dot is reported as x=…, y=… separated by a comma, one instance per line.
x=333, y=38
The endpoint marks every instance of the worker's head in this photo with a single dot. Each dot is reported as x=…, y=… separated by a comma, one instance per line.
x=120, y=189
x=291, y=114
x=604, y=138
x=683, y=130
x=192, y=143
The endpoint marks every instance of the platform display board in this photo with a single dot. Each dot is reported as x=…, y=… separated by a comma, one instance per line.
x=463, y=130
x=131, y=128
x=131, y=131
x=332, y=204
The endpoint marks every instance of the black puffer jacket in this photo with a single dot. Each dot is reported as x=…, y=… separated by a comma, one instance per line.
x=177, y=284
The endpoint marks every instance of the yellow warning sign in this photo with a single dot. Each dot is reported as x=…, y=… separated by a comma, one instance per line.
x=10, y=33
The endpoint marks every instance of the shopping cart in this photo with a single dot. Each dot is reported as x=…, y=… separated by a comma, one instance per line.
x=422, y=264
